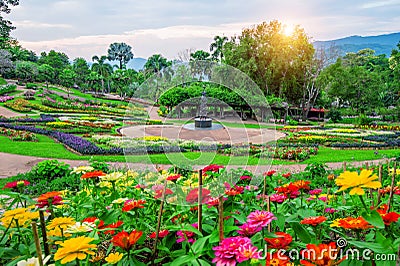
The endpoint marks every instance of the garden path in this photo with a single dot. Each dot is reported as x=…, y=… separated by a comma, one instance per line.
x=13, y=164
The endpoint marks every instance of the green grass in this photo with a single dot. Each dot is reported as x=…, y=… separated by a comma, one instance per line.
x=48, y=148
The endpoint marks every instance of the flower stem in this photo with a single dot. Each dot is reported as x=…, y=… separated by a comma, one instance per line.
x=363, y=203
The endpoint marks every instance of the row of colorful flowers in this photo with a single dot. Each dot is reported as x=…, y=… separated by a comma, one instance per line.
x=236, y=218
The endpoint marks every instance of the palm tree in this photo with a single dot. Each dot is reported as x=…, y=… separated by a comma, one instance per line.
x=102, y=68
x=217, y=47
x=156, y=63
x=120, y=52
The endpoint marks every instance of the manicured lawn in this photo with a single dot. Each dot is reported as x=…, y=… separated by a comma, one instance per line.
x=46, y=147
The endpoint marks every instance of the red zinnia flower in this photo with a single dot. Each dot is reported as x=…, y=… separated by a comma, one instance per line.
x=132, y=204
x=314, y=221
x=159, y=192
x=16, y=184
x=270, y=173
x=388, y=217
x=173, y=178
x=212, y=168
x=281, y=242
x=53, y=196
x=161, y=234
x=125, y=240
x=193, y=195
x=93, y=174
x=245, y=177
x=301, y=184
x=113, y=226
x=93, y=220
x=287, y=175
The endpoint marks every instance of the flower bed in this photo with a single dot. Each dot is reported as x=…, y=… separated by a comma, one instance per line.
x=4, y=99
x=18, y=135
x=7, y=89
x=133, y=218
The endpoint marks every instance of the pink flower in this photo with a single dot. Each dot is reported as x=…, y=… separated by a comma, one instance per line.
x=251, y=188
x=330, y=210
x=186, y=235
x=260, y=218
x=247, y=230
x=248, y=251
x=245, y=177
x=212, y=168
x=315, y=191
x=234, y=249
x=278, y=198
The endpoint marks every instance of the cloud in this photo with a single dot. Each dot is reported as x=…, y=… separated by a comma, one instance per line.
x=33, y=24
x=377, y=4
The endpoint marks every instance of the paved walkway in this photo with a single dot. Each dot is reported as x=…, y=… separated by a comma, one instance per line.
x=12, y=164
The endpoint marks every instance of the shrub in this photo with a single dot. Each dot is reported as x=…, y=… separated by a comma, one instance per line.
x=31, y=86
x=49, y=170
x=334, y=115
x=362, y=119
x=3, y=81
x=7, y=89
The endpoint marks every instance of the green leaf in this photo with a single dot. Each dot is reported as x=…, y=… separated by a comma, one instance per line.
x=198, y=246
x=303, y=234
x=376, y=247
x=280, y=222
x=374, y=218
x=184, y=260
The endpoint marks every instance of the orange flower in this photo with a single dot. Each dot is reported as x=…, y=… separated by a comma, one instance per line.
x=322, y=254
x=125, y=240
x=48, y=198
x=352, y=223
x=280, y=242
x=132, y=204
x=388, y=217
x=314, y=221
x=93, y=174
x=276, y=259
x=302, y=184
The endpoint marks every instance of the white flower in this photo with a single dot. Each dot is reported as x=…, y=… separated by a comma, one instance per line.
x=80, y=227
x=82, y=169
x=112, y=176
x=33, y=261
x=119, y=201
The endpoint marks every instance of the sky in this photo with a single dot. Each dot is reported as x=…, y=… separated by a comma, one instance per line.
x=83, y=28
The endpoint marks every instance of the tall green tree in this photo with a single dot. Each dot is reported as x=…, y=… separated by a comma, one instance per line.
x=102, y=68
x=217, y=46
x=46, y=74
x=5, y=25
x=57, y=60
x=26, y=71
x=200, y=55
x=156, y=63
x=67, y=77
x=81, y=70
x=275, y=61
x=120, y=52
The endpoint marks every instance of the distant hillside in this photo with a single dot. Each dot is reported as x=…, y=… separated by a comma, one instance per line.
x=381, y=44
x=136, y=63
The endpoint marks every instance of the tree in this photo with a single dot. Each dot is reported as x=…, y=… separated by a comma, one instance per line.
x=6, y=64
x=217, y=47
x=57, y=60
x=81, y=70
x=102, y=68
x=156, y=63
x=200, y=55
x=272, y=59
x=94, y=78
x=46, y=74
x=26, y=71
x=5, y=25
x=67, y=77
x=120, y=52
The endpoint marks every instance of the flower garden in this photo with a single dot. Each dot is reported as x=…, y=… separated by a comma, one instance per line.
x=208, y=217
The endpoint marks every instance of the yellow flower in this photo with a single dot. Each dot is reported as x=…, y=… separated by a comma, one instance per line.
x=61, y=222
x=82, y=169
x=391, y=171
x=80, y=227
x=112, y=176
x=56, y=232
x=119, y=201
x=75, y=248
x=114, y=257
x=357, y=182
x=12, y=213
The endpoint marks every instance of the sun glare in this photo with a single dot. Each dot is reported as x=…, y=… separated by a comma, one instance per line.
x=288, y=29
